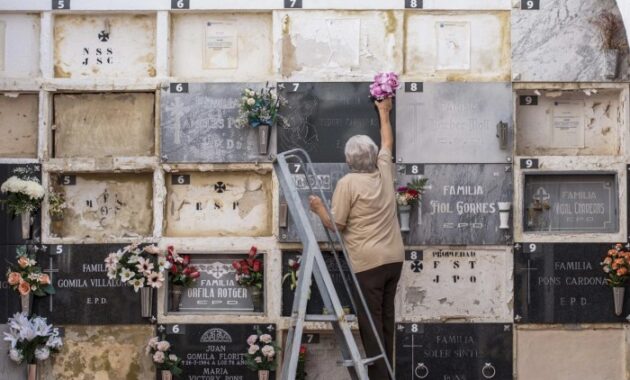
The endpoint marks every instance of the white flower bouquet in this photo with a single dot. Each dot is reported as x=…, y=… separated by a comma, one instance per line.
x=24, y=192
x=260, y=108
x=31, y=339
x=160, y=351
x=137, y=266
x=261, y=354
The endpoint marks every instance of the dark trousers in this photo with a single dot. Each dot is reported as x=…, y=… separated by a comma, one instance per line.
x=379, y=289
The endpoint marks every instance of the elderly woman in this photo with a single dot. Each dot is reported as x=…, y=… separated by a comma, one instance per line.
x=364, y=210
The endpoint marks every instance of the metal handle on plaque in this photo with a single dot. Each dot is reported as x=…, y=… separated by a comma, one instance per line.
x=283, y=215
x=502, y=135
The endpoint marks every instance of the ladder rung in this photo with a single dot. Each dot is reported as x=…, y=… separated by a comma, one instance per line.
x=328, y=318
x=367, y=361
x=371, y=360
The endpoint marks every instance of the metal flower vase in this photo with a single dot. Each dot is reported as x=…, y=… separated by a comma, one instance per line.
x=31, y=371
x=146, y=301
x=25, y=218
x=404, y=212
x=257, y=298
x=264, y=130
x=618, y=295
x=263, y=374
x=176, y=296
x=167, y=375
x=26, y=301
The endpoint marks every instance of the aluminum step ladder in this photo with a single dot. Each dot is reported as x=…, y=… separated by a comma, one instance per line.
x=313, y=265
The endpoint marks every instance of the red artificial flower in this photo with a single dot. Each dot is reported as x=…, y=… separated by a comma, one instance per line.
x=194, y=275
x=174, y=269
x=170, y=250
x=250, y=262
x=257, y=266
x=188, y=270
x=186, y=259
x=252, y=251
x=245, y=270
x=302, y=350
x=236, y=264
x=413, y=193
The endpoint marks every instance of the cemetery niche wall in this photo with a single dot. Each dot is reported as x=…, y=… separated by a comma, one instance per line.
x=571, y=120
x=315, y=302
x=104, y=206
x=216, y=290
x=199, y=123
x=462, y=204
x=83, y=293
x=213, y=350
x=448, y=283
x=128, y=109
x=562, y=283
x=321, y=117
x=221, y=203
x=454, y=123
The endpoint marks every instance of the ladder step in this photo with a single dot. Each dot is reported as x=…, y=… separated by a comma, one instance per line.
x=328, y=318
x=367, y=361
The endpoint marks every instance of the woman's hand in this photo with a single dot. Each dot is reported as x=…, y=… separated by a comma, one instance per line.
x=384, y=106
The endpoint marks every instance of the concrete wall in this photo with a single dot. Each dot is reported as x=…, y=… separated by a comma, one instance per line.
x=18, y=125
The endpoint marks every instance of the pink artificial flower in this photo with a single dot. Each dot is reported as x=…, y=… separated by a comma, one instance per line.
x=385, y=85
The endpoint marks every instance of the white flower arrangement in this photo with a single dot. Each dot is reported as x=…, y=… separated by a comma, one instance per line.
x=24, y=192
x=136, y=266
x=31, y=339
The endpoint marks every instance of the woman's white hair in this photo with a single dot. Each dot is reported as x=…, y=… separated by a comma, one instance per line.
x=361, y=153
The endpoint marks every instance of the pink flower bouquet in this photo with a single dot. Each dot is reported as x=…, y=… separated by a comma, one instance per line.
x=384, y=86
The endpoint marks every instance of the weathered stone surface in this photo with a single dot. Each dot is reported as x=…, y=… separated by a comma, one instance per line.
x=218, y=204
x=19, y=45
x=103, y=353
x=594, y=354
x=571, y=123
x=106, y=206
x=457, y=46
x=227, y=48
x=464, y=283
x=559, y=43
x=104, y=125
x=108, y=45
x=335, y=45
x=18, y=125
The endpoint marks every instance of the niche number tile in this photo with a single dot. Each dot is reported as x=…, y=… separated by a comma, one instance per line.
x=180, y=4
x=529, y=163
x=529, y=5
x=310, y=338
x=414, y=87
x=293, y=3
x=528, y=100
x=68, y=180
x=180, y=179
x=414, y=169
x=60, y=4
x=179, y=88
x=413, y=4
